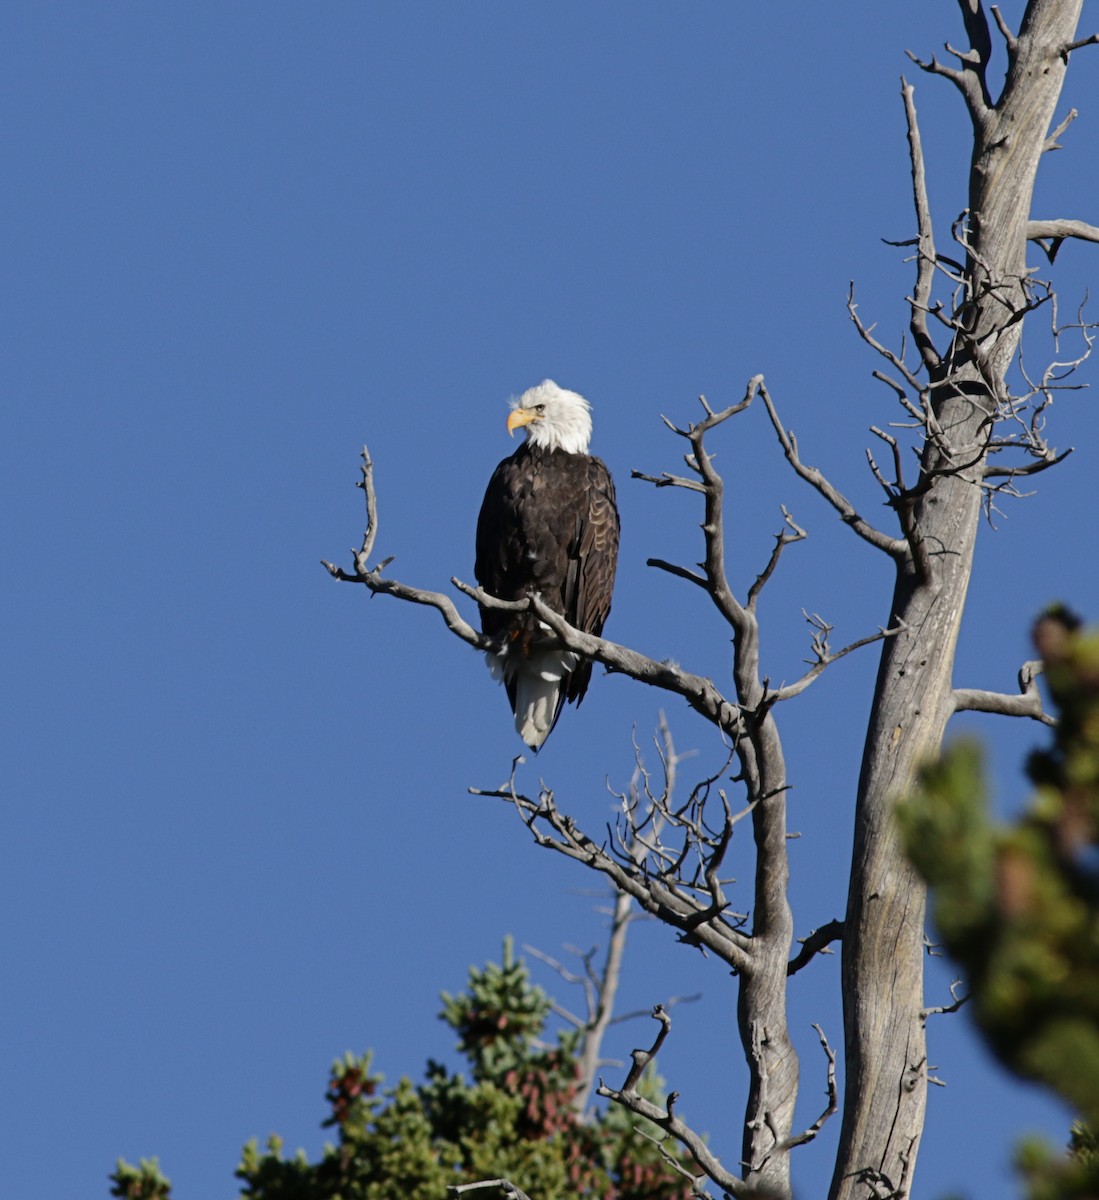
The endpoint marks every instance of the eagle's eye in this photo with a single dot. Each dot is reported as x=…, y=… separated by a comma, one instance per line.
x=540, y=409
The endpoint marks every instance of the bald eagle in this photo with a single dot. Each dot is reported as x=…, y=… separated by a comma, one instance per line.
x=548, y=525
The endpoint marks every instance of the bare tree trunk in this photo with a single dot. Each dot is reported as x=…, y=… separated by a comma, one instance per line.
x=761, y=1000
x=883, y=945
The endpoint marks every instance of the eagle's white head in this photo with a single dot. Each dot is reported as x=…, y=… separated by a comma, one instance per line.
x=555, y=419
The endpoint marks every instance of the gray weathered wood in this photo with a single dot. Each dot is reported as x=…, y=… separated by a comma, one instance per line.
x=883, y=947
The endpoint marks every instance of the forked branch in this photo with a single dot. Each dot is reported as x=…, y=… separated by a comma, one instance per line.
x=713, y=578
x=1051, y=235
x=824, y=656
x=371, y=577
x=665, y=1118
x=895, y=547
x=966, y=78
x=809, y=1134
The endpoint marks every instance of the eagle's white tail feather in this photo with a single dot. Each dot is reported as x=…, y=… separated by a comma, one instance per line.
x=539, y=681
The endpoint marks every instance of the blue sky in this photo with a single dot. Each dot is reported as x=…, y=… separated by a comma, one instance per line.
x=242, y=239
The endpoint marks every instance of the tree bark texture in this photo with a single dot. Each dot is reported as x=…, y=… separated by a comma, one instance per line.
x=883, y=947
x=761, y=1002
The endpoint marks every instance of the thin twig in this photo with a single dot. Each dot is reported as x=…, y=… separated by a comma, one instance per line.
x=944, y=1009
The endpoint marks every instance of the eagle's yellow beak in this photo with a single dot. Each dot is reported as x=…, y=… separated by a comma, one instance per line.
x=518, y=417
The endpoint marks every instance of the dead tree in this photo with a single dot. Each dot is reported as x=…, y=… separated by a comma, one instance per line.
x=976, y=422
x=977, y=435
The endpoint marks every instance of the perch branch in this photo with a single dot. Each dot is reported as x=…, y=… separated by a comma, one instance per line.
x=700, y=693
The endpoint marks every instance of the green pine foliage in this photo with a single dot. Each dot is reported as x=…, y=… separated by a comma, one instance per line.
x=1018, y=905
x=514, y=1118
x=143, y=1182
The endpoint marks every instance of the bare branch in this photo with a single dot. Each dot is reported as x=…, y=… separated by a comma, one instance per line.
x=792, y=533
x=1051, y=142
x=700, y=693
x=1050, y=235
x=830, y=1108
x=1088, y=41
x=980, y=40
x=373, y=580
x=866, y=332
x=662, y=895
x=713, y=525
x=602, y=989
x=1029, y=469
x=816, y=943
x=363, y=553
x=926, y=257
x=696, y=1180
x=848, y=514
x=367, y=485
x=665, y=1118
x=966, y=79
x=667, y=480
x=371, y=577
x=1010, y=40
x=713, y=579
x=511, y=1192
x=942, y=1009
x=1028, y=703
x=825, y=657
x=677, y=571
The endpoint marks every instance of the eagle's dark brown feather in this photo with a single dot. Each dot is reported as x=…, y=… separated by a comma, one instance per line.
x=548, y=524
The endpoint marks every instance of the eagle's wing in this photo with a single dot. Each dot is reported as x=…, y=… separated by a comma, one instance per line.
x=593, y=560
x=548, y=524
